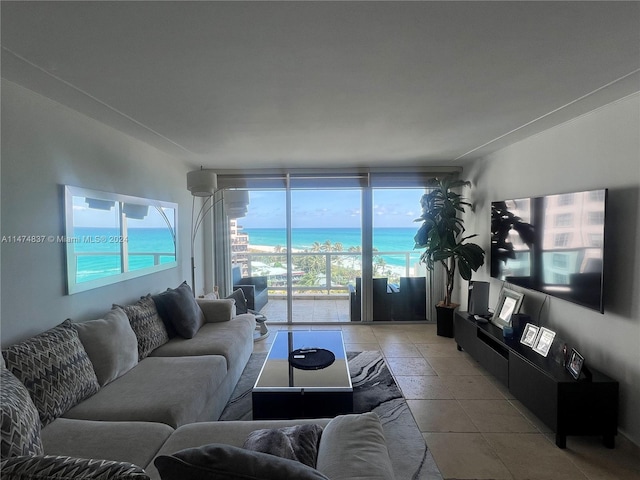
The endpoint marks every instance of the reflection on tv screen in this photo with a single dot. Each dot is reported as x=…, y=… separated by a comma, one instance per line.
x=553, y=244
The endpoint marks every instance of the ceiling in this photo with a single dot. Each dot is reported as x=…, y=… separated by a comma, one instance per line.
x=299, y=84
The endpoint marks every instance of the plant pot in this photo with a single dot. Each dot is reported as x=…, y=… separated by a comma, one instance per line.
x=444, y=319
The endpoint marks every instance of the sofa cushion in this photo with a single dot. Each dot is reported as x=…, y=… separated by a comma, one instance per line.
x=147, y=325
x=174, y=391
x=55, y=368
x=298, y=442
x=179, y=307
x=134, y=442
x=346, y=434
x=20, y=433
x=45, y=467
x=111, y=344
x=226, y=462
x=230, y=339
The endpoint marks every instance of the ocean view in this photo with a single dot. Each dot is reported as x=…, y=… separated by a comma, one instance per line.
x=384, y=239
x=106, y=240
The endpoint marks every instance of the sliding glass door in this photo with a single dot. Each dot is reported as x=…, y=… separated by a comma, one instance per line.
x=326, y=240
x=399, y=283
x=326, y=247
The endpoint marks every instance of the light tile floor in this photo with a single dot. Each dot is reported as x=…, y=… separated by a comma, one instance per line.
x=472, y=425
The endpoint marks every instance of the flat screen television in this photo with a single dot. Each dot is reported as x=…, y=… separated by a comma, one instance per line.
x=553, y=244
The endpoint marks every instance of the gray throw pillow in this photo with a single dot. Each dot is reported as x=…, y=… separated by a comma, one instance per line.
x=147, y=325
x=111, y=344
x=226, y=462
x=51, y=467
x=179, y=307
x=241, y=301
x=298, y=442
x=20, y=432
x=55, y=368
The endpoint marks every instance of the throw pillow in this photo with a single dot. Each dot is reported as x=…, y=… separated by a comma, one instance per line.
x=45, y=467
x=20, y=433
x=241, y=301
x=147, y=325
x=226, y=462
x=111, y=344
x=179, y=307
x=298, y=442
x=55, y=368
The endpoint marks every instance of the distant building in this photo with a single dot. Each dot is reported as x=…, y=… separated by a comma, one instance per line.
x=239, y=246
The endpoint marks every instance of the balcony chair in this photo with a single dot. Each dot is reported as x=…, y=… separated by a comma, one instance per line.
x=410, y=303
x=254, y=288
x=383, y=295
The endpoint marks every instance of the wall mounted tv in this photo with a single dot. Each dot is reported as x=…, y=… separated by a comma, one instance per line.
x=553, y=244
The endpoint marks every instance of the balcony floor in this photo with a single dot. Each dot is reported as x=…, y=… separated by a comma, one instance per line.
x=308, y=310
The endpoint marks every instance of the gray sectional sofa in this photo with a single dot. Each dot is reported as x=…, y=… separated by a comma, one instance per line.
x=149, y=380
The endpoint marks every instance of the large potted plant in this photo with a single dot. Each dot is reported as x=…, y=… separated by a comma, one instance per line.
x=441, y=236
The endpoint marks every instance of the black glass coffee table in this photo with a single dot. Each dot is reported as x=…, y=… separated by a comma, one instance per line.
x=284, y=390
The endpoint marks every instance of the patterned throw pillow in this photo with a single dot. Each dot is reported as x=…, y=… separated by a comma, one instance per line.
x=147, y=325
x=20, y=433
x=54, y=467
x=55, y=368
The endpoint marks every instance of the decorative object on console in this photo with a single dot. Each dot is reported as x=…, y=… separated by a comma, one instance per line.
x=478, y=301
x=441, y=237
x=575, y=364
x=529, y=335
x=509, y=303
x=543, y=342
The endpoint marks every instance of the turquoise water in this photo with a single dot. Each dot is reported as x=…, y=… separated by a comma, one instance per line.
x=153, y=240
x=384, y=239
x=107, y=240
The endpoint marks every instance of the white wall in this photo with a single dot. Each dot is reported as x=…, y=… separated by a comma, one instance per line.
x=599, y=149
x=45, y=145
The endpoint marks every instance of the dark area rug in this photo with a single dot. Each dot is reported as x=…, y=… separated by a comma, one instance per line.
x=374, y=390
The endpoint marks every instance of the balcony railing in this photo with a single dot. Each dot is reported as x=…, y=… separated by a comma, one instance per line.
x=312, y=269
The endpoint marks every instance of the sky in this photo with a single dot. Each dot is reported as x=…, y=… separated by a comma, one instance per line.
x=395, y=208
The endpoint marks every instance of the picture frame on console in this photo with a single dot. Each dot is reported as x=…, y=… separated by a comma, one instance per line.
x=529, y=335
x=575, y=363
x=509, y=303
x=544, y=341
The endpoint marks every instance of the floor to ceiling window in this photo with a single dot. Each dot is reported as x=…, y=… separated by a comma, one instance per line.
x=328, y=248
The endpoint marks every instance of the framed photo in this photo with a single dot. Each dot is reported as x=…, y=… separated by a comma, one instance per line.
x=509, y=303
x=543, y=343
x=529, y=335
x=575, y=363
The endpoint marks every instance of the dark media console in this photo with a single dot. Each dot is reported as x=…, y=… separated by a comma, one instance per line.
x=544, y=386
